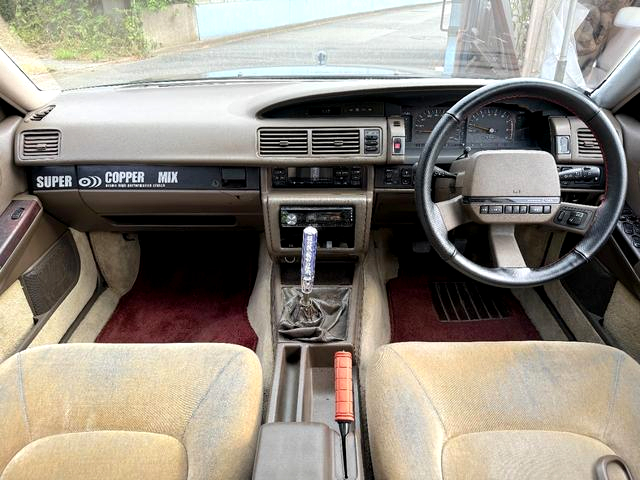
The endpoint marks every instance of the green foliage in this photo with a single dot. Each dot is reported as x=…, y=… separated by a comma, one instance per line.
x=8, y=9
x=155, y=5
x=78, y=29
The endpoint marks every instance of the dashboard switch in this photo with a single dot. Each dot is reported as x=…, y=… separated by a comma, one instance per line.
x=398, y=145
x=484, y=208
x=535, y=209
x=495, y=209
x=576, y=218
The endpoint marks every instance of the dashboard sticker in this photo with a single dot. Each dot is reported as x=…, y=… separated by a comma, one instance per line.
x=142, y=177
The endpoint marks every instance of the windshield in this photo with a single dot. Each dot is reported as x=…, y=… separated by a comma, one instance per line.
x=84, y=43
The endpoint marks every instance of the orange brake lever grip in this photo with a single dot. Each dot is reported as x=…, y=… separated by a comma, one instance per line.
x=343, y=365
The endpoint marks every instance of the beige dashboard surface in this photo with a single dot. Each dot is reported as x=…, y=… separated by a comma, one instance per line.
x=198, y=123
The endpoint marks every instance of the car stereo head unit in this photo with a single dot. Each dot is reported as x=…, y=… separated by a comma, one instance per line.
x=316, y=217
x=317, y=177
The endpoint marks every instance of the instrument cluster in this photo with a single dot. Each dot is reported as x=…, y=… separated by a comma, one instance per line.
x=491, y=127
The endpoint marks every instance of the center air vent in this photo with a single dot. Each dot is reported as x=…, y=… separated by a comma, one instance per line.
x=587, y=144
x=335, y=141
x=280, y=141
x=40, y=143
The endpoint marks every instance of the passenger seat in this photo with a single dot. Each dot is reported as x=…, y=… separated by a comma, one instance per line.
x=105, y=411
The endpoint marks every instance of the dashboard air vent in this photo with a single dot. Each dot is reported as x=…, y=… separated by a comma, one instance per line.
x=40, y=143
x=587, y=144
x=342, y=141
x=40, y=114
x=281, y=141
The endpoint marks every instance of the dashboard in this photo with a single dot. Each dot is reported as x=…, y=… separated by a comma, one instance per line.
x=243, y=154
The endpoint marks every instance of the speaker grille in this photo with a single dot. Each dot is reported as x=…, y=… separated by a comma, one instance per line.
x=47, y=283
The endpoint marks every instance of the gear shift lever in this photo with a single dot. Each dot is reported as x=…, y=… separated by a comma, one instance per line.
x=308, y=264
x=313, y=314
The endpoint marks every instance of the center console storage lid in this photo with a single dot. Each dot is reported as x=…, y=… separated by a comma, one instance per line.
x=297, y=451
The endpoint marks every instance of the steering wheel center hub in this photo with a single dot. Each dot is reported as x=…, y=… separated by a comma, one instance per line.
x=509, y=186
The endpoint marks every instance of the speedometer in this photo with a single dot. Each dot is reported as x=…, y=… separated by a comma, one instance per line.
x=491, y=126
x=425, y=122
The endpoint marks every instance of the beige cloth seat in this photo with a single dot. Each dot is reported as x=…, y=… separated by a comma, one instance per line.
x=163, y=412
x=512, y=410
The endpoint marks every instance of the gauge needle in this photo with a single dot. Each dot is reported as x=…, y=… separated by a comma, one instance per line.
x=485, y=129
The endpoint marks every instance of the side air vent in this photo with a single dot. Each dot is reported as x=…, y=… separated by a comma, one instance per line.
x=587, y=144
x=280, y=141
x=40, y=143
x=40, y=114
x=335, y=141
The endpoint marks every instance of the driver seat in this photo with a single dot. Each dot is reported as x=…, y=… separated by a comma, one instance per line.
x=507, y=410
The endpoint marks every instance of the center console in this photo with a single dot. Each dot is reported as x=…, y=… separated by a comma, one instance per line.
x=337, y=200
x=317, y=222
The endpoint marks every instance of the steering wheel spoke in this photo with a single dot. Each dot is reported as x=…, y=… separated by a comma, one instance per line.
x=453, y=213
x=505, y=248
x=574, y=217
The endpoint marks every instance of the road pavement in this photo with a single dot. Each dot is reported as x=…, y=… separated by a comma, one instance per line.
x=400, y=41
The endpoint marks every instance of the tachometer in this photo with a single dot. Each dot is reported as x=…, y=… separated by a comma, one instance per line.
x=426, y=120
x=492, y=126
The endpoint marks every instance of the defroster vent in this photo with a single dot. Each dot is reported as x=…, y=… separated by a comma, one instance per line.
x=280, y=141
x=40, y=143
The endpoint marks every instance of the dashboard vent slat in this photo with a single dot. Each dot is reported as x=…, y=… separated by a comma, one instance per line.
x=587, y=144
x=40, y=143
x=281, y=141
x=40, y=114
x=342, y=141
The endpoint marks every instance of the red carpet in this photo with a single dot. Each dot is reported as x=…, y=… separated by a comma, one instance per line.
x=417, y=313
x=190, y=288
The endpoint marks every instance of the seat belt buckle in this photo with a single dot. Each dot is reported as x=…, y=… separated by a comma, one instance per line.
x=603, y=463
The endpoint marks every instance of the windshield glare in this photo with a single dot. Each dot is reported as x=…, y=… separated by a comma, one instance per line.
x=67, y=44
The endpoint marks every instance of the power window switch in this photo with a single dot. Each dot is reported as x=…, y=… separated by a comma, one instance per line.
x=17, y=213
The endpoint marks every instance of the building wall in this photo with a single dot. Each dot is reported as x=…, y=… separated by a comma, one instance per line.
x=171, y=26
x=217, y=18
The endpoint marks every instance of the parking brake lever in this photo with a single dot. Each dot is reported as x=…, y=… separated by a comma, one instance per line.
x=343, y=366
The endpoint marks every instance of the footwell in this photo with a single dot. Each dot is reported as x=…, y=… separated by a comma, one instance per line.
x=443, y=306
x=190, y=288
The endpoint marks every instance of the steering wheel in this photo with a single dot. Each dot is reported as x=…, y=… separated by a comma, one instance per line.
x=504, y=188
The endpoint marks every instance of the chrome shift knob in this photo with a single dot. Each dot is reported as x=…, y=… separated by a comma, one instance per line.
x=308, y=260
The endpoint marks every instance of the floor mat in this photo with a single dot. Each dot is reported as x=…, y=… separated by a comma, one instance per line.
x=190, y=288
x=444, y=306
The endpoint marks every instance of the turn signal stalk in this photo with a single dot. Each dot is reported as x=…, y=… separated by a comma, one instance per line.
x=343, y=366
